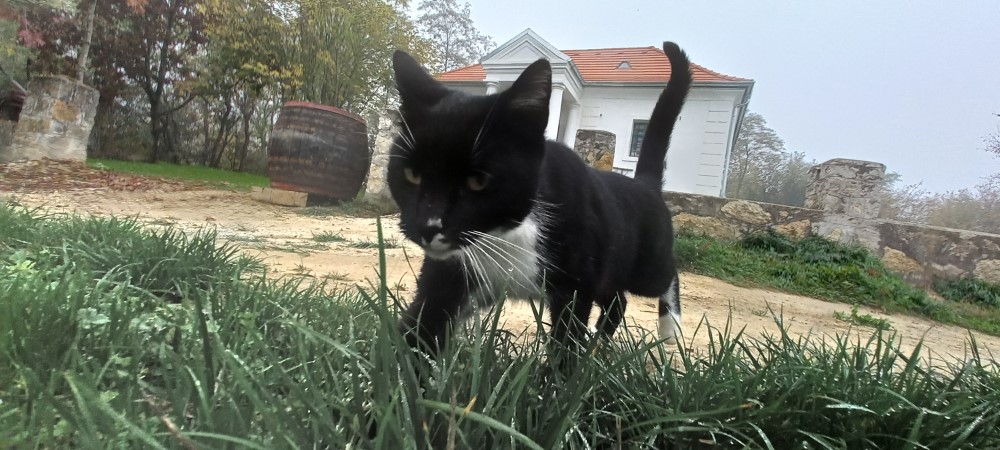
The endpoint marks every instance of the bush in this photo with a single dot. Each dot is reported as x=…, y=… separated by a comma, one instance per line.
x=969, y=290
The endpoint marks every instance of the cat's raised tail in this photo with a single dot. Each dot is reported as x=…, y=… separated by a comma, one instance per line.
x=649, y=168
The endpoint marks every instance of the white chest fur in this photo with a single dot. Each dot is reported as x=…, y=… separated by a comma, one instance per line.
x=505, y=261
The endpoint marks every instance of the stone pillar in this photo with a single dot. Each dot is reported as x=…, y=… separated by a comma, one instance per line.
x=573, y=124
x=555, y=112
x=848, y=191
x=6, y=136
x=846, y=186
x=55, y=122
x=376, y=188
x=596, y=147
x=492, y=87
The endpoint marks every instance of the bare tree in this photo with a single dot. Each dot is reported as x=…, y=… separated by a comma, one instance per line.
x=447, y=24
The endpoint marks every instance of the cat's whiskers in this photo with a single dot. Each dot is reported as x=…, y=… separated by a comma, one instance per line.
x=484, y=256
x=479, y=269
x=501, y=252
x=408, y=136
x=408, y=144
x=541, y=259
x=492, y=250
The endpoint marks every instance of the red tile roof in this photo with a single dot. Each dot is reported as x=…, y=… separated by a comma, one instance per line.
x=647, y=65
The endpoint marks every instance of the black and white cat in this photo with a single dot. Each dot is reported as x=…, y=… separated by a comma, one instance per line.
x=499, y=209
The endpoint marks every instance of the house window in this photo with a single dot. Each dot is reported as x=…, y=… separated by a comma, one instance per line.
x=625, y=65
x=638, y=132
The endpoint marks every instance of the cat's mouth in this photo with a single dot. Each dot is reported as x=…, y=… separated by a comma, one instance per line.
x=440, y=247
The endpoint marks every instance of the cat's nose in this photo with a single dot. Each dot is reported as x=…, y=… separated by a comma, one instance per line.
x=430, y=229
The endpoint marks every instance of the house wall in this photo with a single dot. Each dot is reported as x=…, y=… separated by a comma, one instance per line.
x=696, y=162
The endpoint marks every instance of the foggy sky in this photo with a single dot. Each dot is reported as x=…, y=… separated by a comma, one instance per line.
x=911, y=84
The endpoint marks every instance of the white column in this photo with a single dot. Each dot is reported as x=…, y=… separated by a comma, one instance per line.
x=572, y=124
x=555, y=112
x=492, y=87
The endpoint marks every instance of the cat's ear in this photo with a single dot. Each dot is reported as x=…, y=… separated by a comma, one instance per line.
x=528, y=98
x=416, y=87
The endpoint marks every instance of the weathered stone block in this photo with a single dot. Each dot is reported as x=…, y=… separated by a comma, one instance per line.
x=279, y=196
x=376, y=188
x=988, y=270
x=898, y=261
x=795, y=230
x=708, y=226
x=596, y=147
x=748, y=212
x=55, y=121
x=6, y=134
x=846, y=186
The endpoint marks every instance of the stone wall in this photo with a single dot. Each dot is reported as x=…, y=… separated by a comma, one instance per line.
x=920, y=253
x=55, y=121
x=376, y=189
x=596, y=147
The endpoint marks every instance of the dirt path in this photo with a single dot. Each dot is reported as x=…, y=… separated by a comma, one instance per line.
x=284, y=238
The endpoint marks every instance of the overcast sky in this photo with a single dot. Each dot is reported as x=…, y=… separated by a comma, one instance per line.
x=911, y=84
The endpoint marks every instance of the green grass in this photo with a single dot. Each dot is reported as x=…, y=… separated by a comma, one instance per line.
x=389, y=243
x=353, y=208
x=328, y=236
x=216, y=177
x=819, y=268
x=116, y=336
x=969, y=290
x=865, y=320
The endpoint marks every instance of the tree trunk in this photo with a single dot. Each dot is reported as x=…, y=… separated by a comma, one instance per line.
x=83, y=61
x=155, y=128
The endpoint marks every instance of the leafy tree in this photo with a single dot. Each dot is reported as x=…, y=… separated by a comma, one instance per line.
x=345, y=50
x=147, y=44
x=792, y=180
x=448, y=25
x=758, y=148
x=153, y=48
x=761, y=169
x=245, y=67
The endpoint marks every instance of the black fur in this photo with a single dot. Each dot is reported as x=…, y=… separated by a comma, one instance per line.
x=602, y=233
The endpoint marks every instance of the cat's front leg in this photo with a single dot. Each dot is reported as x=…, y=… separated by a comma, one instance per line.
x=442, y=293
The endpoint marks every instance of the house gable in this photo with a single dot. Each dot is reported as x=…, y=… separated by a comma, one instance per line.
x=526, y=47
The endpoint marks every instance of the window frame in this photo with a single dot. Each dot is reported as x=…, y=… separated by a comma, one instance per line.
x=635, y=141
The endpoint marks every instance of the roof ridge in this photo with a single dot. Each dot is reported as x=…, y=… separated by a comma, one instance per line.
x=608, y=48
x=595, y=65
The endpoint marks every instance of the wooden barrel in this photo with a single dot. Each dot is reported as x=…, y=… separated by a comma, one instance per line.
x=319, y=150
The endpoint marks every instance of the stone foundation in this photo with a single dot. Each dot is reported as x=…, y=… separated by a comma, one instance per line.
x=55, y=121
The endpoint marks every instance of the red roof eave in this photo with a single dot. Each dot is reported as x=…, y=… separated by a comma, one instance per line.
x=647, y=65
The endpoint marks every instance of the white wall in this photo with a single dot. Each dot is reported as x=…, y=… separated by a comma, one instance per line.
x=695, y=162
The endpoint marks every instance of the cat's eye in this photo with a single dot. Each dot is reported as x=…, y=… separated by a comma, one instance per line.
x=411, y=175
x=478, y=182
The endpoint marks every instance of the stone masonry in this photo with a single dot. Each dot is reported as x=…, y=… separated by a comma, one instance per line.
x=843, y=206
x=376, y=189
x=849, y=191
x=596, y=147
x=55, y=122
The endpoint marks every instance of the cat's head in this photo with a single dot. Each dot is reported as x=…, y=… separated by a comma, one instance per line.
x=463, y=164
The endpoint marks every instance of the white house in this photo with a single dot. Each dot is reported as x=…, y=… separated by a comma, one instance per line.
x=614, y=90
